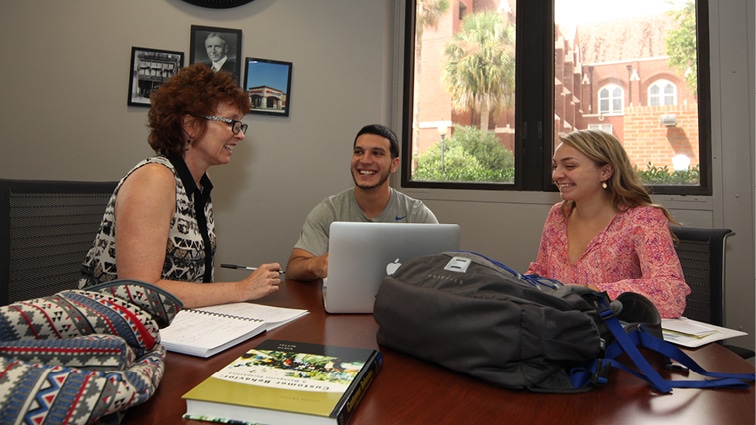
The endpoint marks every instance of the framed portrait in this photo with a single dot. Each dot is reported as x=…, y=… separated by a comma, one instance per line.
x=218, y=48
x=150, y=68
x=268, y=84
x=218, y=4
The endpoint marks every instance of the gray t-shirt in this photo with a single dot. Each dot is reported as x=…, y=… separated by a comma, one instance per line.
x=343, y=207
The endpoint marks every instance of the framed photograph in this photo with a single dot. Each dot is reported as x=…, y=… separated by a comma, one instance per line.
x=149, y=69
x=268, y=84
x=218, y=48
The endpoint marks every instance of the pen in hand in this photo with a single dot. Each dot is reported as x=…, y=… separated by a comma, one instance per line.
x=235, y=266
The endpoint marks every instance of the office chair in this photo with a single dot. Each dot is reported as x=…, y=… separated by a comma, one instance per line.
x=702, y=256
x=46, y=229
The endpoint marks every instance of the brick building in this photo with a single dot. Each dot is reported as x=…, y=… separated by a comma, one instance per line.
x=614, y=76
x=609, y=75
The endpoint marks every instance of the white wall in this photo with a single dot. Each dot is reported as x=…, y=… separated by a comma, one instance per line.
x=64, y=116
x=751, y=12
x=732, y=69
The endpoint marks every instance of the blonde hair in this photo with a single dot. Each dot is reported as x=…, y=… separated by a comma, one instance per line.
x=624, y=186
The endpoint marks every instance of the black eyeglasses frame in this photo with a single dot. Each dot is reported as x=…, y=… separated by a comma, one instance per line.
x=236, y=125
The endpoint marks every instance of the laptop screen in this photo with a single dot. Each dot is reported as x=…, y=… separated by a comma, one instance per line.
x=361, y=255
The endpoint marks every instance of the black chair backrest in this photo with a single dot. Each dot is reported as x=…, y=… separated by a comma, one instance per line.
x=702, y=256
x=46, y=229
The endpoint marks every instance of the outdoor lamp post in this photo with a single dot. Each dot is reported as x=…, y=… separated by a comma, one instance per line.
x=442, y=133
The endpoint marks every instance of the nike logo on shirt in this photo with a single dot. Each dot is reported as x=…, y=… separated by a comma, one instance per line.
x=398, y=218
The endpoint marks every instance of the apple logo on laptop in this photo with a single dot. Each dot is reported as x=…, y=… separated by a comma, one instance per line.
x=391, y=268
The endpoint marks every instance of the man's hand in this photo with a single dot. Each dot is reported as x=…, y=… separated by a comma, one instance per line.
x=305, y=266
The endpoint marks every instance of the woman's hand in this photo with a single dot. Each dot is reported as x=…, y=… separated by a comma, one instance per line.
x=261, y=282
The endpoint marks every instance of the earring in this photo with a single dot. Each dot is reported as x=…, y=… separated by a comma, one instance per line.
x=604, y=185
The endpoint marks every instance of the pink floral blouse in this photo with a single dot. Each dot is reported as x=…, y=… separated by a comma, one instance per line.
x=635, y=253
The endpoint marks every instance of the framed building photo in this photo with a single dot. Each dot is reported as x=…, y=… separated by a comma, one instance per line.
x=218, y=48
x=150, y=68
x=268, y=84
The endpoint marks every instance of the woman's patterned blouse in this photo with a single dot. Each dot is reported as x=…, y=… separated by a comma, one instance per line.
x=635, y=253
x=186, y=249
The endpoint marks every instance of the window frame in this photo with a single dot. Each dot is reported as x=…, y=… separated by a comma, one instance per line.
x=661, y=94
x=601, y=127
x=611, y=99
x=534, y=75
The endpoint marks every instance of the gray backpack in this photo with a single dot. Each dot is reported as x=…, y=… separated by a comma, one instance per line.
x=474, y=315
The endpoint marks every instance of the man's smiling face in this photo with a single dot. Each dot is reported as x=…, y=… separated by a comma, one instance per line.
x=372, y=163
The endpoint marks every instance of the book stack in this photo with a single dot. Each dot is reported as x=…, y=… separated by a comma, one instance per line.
x=286, y=383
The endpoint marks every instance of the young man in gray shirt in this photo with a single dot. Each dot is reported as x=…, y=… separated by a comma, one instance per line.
x=375, y=158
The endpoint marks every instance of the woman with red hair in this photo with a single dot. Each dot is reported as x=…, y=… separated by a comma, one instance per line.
x=158, y=226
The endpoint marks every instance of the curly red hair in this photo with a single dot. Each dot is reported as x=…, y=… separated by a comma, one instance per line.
x=195, y=90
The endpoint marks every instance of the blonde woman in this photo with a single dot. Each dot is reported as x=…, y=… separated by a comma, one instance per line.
x=606, y=233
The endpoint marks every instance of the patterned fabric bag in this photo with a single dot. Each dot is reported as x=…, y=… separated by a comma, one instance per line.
x=82, y=356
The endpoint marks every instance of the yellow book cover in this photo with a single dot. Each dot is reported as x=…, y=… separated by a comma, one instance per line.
x=284, y=382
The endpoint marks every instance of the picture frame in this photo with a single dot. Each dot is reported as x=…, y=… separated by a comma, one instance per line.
x=268, y=84
x=219, y=43
x=150, y=68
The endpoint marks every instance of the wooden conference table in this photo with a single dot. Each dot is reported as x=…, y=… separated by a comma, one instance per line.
x=410, y=391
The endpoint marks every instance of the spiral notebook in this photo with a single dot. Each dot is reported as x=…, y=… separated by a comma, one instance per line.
x=206, y=331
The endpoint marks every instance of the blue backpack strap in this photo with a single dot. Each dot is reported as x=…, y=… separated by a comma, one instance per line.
x=622, y=339
x=532, y=279
x=670, y=351
x=629, y=343
x=595, y=374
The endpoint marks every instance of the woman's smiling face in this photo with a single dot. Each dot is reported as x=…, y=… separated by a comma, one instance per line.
x=218, y=142
x=576, y=176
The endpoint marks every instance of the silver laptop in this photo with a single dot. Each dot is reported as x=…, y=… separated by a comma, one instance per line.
x=361, y=255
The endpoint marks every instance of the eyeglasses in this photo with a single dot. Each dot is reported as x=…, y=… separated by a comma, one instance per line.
x=236, y=126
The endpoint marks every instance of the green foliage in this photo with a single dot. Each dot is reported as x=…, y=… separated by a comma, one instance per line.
x=468, y=156
x=480, y=69
x=429, y=12
x=681, y=44
x=654, y=175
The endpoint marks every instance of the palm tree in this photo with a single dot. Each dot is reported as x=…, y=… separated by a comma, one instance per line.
x=429, y=12
x=480, y=73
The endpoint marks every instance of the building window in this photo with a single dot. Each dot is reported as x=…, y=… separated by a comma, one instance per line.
x=480, y=112
x=661, y=93
x=606, y=128
x=611, y=99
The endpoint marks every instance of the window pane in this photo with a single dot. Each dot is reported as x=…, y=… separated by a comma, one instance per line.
x=604, y=108
x=463, y=117
x=643, y=52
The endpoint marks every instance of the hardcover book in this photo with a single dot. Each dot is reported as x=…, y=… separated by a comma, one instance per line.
x=287, y=383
